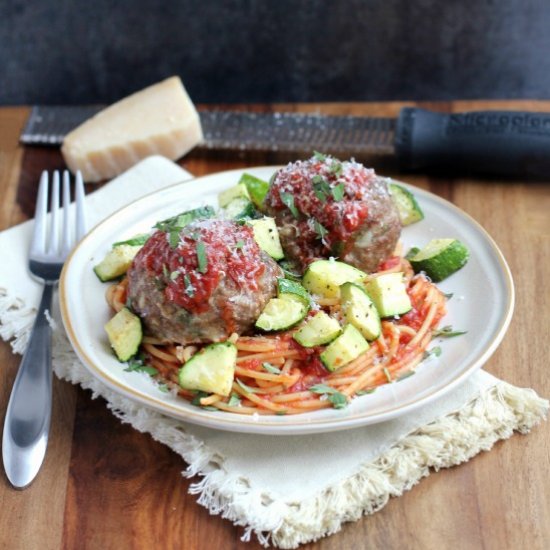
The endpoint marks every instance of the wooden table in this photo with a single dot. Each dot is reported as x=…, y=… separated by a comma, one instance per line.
x=104, y=485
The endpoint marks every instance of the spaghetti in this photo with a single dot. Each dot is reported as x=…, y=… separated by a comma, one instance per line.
x=275, y=375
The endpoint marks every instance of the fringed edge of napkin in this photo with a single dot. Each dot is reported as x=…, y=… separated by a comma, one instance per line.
x=16, y=320
x=455, y=438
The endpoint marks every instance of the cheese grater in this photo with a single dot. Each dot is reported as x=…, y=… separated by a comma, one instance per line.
x=508, y=143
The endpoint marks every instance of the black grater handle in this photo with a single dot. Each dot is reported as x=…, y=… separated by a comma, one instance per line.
x=501, y=143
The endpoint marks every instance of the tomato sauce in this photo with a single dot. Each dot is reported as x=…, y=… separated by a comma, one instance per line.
x=207, y=252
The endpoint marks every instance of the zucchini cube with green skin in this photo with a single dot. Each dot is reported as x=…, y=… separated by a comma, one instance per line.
x=282, y=313
x=290, y=288
x=440, y=258
x=360, y=311
x=236, y=192
x=240, y=209
x=266, y=235
x=211, y=369
x=404, y=200
x=116, y=262
x=257, y=189
x=347, y=347
x=125, y=334
x=389, y=294
x=320, y=329
x=324, y=277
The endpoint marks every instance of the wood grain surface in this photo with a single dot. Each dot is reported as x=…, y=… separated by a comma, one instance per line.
x=106, y=486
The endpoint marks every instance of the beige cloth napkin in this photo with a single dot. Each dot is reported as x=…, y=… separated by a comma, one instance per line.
x=267, y=484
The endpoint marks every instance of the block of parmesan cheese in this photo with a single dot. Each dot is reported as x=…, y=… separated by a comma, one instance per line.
x=159, y=120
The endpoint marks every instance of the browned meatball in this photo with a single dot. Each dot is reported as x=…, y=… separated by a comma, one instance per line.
x=212, y=282
x=324, y=207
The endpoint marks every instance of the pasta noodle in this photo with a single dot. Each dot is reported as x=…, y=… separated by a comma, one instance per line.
x=283, y=388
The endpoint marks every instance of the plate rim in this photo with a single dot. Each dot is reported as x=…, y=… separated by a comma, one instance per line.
x=308, y=425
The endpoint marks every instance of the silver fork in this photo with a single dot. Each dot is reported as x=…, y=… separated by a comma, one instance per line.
x=27, y=422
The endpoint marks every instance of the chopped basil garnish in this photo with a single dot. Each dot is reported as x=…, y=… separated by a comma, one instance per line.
x=336, y=168
x=405, y=375
x=234, y=400
x=137, y=365
x=177, y=223
x=201, y=257
x=197, y=399
x=338, y=400
x=448, y=332
x=436, y=352
x=449, y=295
x=321, y=157
x=288, y=201
x=189, y=290
x=270, y=368
x=365, y=392
x=165, y=271
x=338, y=192
x=247, y=388
x=174, y=275
x=280, y=413
x=174, y=238
x=239, y=244
x=321, y=187
x=320, y=229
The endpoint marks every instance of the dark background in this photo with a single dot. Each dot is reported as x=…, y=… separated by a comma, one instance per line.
x=261, y=51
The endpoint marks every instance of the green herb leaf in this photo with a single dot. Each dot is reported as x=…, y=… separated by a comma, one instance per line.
x=234, y=400
x=321, y=187
x=322, y=388
x=165, y=271
x=336, y=168
x=405, y=375
x=178, y=222
x=239, y=244
x=197, y=399
x=201, y=257
x=288, y=201
x=449, y=295
x=365, y=392
x=189, y=290
x=338, y=192
x=270, y=368
x=448, y=332
x=338, y=400
x=163, y=388
x=174, y=275
x=248, y=388
x=280, y=413
x=137, y=365
x=174, y=238
x=321, y=157
x=320, y=229
x=436, y=352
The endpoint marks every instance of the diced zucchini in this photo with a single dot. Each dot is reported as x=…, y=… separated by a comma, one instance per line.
x=389, y=294
x=178, y=222
x=238, y=191
x=116, y=262
x=266, y=235
x=320, y=329
x=347, y=347
x=440, y=258
x=360, y=311
x=257, y=189
x=288, y=287
x=409, y=211
x=240, y=209
x=324, y=277
x=211, y=369
x=282, y=313
x=136, y=240
x=124, y=333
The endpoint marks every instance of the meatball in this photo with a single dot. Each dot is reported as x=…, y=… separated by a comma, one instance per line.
x=208, y=282
x=324, y=207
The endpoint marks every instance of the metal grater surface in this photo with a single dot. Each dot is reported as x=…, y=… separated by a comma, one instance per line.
x=297, y=132
x=284, y=132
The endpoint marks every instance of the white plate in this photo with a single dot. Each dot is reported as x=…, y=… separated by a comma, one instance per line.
x=482, y=304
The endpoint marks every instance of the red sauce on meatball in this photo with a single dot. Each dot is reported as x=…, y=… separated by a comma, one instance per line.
x=328, y=200
x=206, y=253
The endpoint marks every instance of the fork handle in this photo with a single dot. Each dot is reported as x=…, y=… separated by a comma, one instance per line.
x=27, y=422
